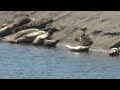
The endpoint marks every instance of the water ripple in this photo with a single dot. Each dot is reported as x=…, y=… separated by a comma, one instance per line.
x=30, y=62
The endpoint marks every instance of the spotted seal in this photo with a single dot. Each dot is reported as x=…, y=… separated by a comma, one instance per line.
x=39, y=39
x=28, y=38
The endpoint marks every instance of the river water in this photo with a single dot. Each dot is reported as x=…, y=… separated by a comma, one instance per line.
x=30, y=62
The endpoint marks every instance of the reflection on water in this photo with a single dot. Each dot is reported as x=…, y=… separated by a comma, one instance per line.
x=30, y=62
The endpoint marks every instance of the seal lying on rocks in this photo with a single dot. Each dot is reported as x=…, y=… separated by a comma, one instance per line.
x=51, y=43
x=21, y=33
x=40, y=24
x=78, y=48
x=114, y=52
x=42, y=37
x=78, y=34
x=28, y=38
x=11, y=38
x=8, y=29
x=85, y=41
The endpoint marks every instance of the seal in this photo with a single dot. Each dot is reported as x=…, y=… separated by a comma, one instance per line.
x=78, y=48
x=51, y=43
x=28, y=38
x=114, y=52
x=85, y=41
x=78, y=34
x=21, y=33
x=42, y=37
x=9, y=29
x=40, y=24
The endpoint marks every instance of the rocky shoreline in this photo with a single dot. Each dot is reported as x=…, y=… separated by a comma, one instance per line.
x=102, y=26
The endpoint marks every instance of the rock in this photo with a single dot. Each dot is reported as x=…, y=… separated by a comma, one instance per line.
x=85, y=41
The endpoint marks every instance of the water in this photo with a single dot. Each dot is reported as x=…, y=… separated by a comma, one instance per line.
x=30, y=62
